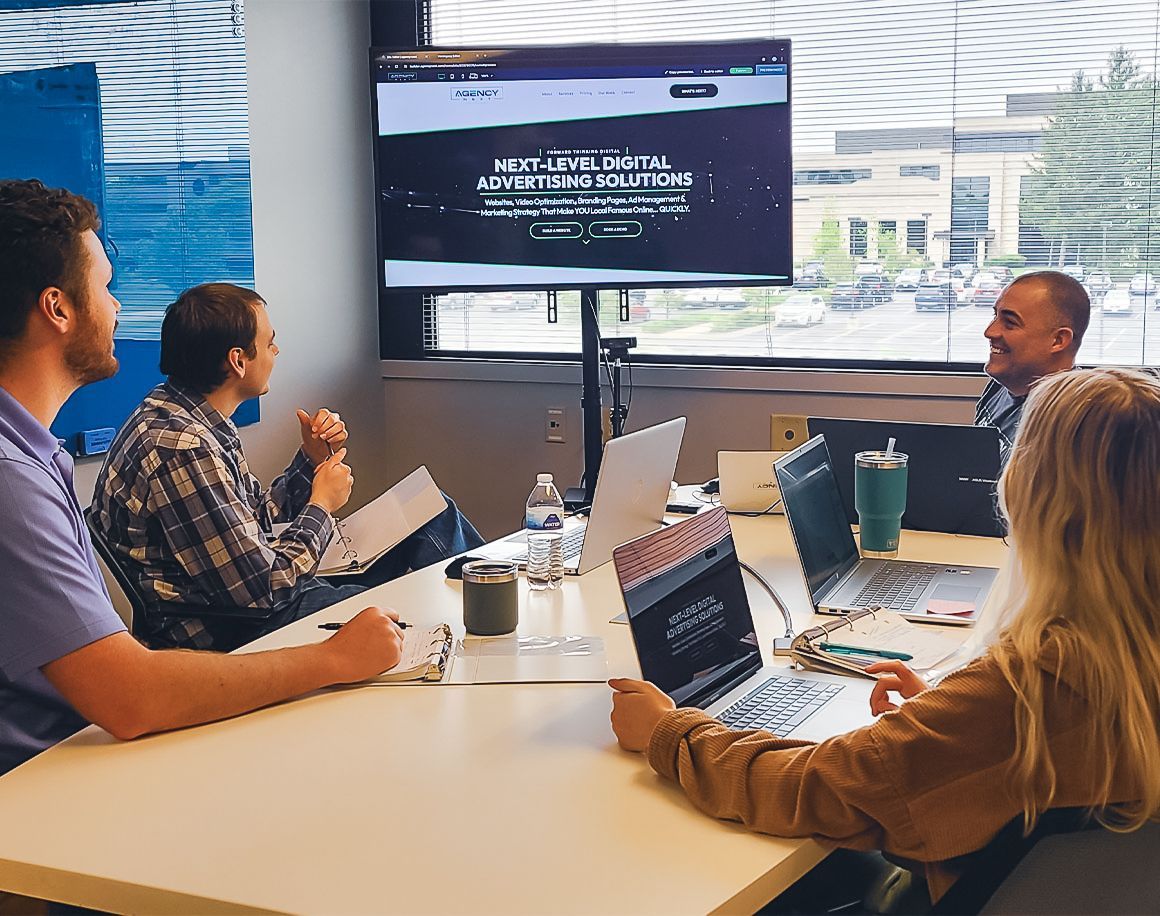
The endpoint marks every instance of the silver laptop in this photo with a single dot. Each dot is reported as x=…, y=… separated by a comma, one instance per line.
x=748, y=483
x=631, y=493
x=838, y=580
x=695, y=639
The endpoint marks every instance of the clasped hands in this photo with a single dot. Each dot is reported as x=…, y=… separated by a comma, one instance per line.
x=322, y=434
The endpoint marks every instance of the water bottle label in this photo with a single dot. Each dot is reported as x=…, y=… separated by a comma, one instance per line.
x=544, y=518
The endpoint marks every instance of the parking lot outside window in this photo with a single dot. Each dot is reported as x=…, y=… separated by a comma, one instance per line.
x=984, y=141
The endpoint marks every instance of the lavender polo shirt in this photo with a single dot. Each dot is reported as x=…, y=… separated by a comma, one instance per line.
x=52, y=597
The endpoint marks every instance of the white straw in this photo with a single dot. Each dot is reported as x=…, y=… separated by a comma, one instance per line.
x=890, y=446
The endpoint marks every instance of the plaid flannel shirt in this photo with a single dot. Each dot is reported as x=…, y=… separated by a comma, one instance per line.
x=191, y=524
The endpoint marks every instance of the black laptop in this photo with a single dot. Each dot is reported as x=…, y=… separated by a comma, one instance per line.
x=695, y=637
x=952, y=473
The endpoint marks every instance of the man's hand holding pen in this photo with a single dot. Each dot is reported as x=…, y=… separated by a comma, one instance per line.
x=366, y=645
x=332, y=484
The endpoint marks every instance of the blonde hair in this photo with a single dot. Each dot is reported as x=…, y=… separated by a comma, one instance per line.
x=1082, y=493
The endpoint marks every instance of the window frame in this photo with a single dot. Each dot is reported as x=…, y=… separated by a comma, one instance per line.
x=404, y=318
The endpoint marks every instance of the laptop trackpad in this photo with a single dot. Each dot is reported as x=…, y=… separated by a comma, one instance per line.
x=953, y=599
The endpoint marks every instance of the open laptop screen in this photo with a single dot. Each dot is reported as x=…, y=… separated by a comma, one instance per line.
x=816, y=516
x=953, y=470
x=687, y=608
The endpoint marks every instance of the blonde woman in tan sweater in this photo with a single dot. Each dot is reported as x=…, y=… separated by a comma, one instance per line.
x=1064, y=711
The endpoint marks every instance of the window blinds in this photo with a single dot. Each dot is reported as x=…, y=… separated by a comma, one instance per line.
x=977, y=138
x=171, y=77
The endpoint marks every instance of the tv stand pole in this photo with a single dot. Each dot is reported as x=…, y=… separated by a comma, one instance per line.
x=590, y=398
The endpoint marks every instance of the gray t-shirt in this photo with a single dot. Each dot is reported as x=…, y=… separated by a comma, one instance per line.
x=53, y=600
x=999, y=408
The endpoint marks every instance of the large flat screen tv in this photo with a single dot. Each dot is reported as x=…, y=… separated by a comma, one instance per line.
x=587, y=165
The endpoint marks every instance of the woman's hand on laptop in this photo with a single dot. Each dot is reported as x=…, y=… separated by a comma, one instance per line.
x=896, y=677
x=637, y=707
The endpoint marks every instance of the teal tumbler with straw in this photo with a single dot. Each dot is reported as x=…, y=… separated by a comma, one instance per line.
x=880, y=498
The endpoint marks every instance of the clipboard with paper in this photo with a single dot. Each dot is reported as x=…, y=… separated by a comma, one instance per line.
x=834, y=646
x=371, y=531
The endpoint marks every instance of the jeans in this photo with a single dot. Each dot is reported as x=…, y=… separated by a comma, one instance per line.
x=447, y=534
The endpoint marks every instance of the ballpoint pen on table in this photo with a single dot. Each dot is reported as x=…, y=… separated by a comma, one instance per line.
x=839, y=649
x=335, y=625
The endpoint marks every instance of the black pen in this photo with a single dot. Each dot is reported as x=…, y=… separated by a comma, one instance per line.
x=402, y=625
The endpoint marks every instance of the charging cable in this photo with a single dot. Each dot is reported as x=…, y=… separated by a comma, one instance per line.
x=781, y=645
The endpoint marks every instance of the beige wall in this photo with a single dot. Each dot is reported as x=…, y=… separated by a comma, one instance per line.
x=314, y=233
x=480, y=428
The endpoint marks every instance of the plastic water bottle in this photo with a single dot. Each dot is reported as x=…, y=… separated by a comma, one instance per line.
x=544, y=519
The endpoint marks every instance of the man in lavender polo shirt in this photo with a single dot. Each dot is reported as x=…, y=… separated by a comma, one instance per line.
x=65, y=658
x=57, y=603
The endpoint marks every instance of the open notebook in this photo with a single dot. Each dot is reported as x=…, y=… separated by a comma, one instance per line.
x=433, y=656
x=426, y=656
x=365, y=535
x=833, y=646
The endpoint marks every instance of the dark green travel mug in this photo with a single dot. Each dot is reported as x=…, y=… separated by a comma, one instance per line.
x=491, y=599
x=880, y=498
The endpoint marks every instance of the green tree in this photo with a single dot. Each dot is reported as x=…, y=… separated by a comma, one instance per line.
x=829, y=248
x=1094, y=189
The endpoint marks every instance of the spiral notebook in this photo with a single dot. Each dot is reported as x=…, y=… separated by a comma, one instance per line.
x=426, y=656
x=833, y=646
x=365, y=535
x=433, y=656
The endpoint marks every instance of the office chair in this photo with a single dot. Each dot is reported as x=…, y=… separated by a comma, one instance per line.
x=109, y=561
x=236, y=618
x=1093, y=871
x=1068, y=864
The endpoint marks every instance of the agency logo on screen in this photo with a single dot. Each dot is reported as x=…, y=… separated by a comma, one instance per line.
x=476, y=93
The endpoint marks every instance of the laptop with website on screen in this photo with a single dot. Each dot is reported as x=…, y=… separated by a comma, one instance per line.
x=632, y=490
x=839, y=580
x=695, y=637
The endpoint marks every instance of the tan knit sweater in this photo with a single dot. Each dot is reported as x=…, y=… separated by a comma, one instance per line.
x=928, y=782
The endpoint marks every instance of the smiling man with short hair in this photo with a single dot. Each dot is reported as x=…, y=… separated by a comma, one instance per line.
x=1040, y=319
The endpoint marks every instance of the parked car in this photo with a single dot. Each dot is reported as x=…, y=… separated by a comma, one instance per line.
x=1143, y=285
x=866, y=268
x=714, y=298
x=908, y=280
x=1003, y=274
x=800, y=310
x=1078, y=271
x=1118, y=302
x=811, y=278
x=874, y=288
x=986, y=293
x=638, y=309
x=1098, y=283
x=528, y=300
x=847, y=296
x=936, y=296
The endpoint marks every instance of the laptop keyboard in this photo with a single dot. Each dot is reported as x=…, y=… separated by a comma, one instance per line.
x=573, y=544
x=896, y=587
x=779, y=704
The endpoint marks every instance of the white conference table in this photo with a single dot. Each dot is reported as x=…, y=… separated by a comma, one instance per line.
x=412, y=799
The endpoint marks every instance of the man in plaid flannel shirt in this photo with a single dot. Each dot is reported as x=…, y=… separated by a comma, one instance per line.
x=190, y=523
